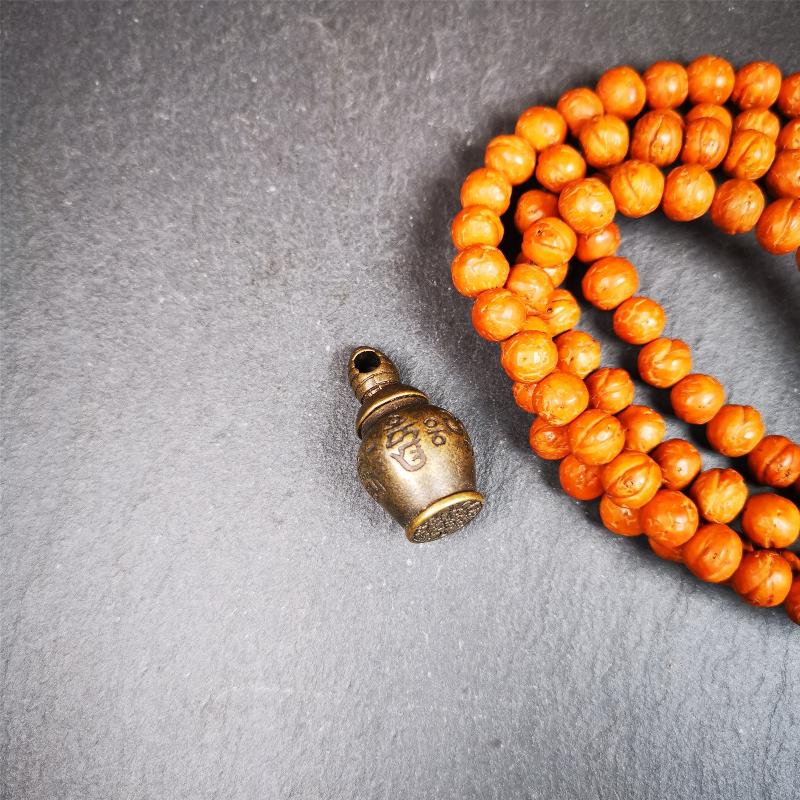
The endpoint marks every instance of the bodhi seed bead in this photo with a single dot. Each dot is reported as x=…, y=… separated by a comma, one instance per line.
x=750, y=155
x=720, y=494
x=705, y=142
x=596, y=437
x=789, y=137
x=478, y=268
x=631, y=479
x=680, y=462
x=497, y=314
x=657, y=138
x=586, y=205
x=775, y=461
x=541, y=126
x=639, y=320
x=664, y=362
x=604, y=141
x=688, y=193
x=549, y=242
x=476, y=225
x=713, y=111
x=763, y=579
x=757, y=85
x=637, y=187
x=665, y=551
x=580, y=481
x=622, y=92
x=737, y=206
x=548, y=441
x=534, y=323
x=670, y=518
x=778, y=229
x=557, y=272
x=599, y=244
x=619, y=519
x=523, y=395
x=528, y=356
x=771, y=520
x=578, y=106
x=714, y=553
x=789, y=95
x=758, y=119
x=578, y=353
x=783, y=178
x=697, y=398
x=532, y=284
x=735, y=430
x=711, y=79
x=511, y=155
x=487, y=187
x=560, y=397
x=610, y=281
x=532, y=206
x=558, y=165
x=610, y=389
x=644, y=428
x=562, y=312
x=667, y=84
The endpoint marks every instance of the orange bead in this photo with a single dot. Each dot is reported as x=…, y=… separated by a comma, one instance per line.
x=735, y=430
x=737, y=206
x=586, y=205
x=758, y=119
x=578, y=106
x=792, y=602
x=487, y=187
x=711, y=79
x=511, y=155
x=548, y=441
x=667, y=84
x=578, y=353
x=580, y=481
x=557, y=272
x=688, y=193
x=549, y=242
x=720, y=494
x=532, y=284
x=778, y=229
x=713, y=111
x=665, y=551
x=596, y=437
x=789, y=95
x=528, y=356
x=609, y=282
x=535, y=323
x=541, y=126
x=771, y=520
x=763, y=579
x=657, y=138
x=604, y=141
x=619, y=519
x=498, y=314
x=757, y=85
x=783, y=178
x=562, y=312
x=523, y=395
x=532, y=206
x=610, y=389
x=631, y=479
x=789, y=137
x=714, y=553
x=558, y=165
x=478, y=268
x=775, y=461
x=637, y=187
x=622, y=92
x=639, y=320
x=705, y=142
x=750, y=155
x=560, y=397
x=670, y=518
x=476, y=225
x=599, y=244
x=664, y=362
x=697, y=398
x=679, y=461
x=644, y=428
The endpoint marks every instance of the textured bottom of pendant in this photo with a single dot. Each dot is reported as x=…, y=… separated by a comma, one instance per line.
x=445, y=516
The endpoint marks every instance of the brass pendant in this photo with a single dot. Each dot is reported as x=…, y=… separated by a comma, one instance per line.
x=415, y=459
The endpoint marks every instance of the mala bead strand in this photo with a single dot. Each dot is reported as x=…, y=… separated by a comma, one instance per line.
x=584, y=412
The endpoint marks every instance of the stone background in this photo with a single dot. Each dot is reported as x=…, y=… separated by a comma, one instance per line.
x=205, y=206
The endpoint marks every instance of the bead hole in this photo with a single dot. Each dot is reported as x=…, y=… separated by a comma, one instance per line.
x=367, y=361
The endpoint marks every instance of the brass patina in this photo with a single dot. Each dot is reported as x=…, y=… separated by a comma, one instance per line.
x=415, y=459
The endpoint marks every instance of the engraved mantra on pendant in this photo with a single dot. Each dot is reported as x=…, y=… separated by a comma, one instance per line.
x=405, y=436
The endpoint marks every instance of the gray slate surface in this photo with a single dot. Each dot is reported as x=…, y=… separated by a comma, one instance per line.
x=205, y=206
